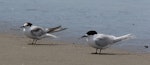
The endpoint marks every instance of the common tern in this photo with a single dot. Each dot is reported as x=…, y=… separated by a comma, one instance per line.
x=37, y=32
x=103, y=41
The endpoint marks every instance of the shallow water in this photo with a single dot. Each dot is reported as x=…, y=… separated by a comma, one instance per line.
x=114, y=17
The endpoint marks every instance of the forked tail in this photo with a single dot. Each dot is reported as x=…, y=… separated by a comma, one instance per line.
x=55, y=29
x=50, y=35
x=124, y=37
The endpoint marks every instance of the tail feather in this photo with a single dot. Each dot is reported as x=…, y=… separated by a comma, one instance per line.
x=124, y=37
x=55, y=29
x=50, y=35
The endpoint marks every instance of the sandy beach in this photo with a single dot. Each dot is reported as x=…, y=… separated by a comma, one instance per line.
x=14, y=50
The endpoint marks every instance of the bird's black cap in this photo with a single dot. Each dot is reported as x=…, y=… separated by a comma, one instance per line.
x=29, y=24
x=91, y=32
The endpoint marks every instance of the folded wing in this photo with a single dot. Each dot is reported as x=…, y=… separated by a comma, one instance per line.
x=37, y=32
x=103, y=41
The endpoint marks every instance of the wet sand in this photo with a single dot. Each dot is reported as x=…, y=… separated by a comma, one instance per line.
x=14, y=50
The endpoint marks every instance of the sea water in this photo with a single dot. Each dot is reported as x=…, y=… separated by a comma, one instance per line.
x=114, y=17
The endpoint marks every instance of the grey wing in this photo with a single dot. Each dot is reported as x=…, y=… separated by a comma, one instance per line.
x=37, y=32
x=103, y=42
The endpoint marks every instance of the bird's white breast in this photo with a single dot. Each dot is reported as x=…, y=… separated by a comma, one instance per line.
x=27, y=32
x=91, y=41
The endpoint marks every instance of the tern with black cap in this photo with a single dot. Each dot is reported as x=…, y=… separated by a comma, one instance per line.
x=37, y=32
x=103, y=41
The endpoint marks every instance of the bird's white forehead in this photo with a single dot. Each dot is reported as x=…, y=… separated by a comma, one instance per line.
x=85, y=34
x=25, y=24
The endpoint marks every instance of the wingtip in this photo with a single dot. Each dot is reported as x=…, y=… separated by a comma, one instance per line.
x=131, y=36
x=65, y=28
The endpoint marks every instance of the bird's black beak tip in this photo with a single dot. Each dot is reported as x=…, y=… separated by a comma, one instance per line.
x=22, y=26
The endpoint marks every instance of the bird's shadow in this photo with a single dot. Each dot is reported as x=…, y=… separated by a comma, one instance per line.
x=110, y=53
x=45, y=44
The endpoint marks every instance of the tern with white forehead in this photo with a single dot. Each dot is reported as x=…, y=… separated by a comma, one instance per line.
x=37, y=32
x=102, y=41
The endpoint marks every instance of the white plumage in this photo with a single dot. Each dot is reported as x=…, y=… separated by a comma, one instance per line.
x=102, y=41
x=37, y=32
